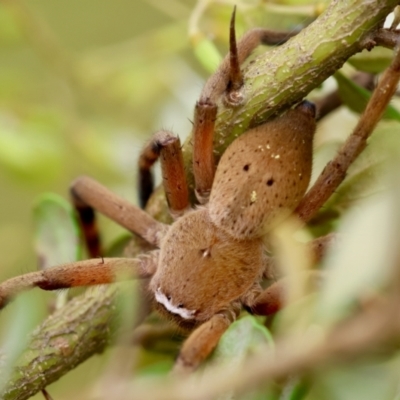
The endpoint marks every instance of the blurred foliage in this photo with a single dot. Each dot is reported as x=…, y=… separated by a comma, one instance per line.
x=84, y=83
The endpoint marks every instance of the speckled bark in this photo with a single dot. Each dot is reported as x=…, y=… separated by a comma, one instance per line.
x=273, y=82
x=284, y=75
x=65, y=339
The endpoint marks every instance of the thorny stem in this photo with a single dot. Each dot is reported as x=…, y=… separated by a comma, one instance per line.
x=273, y=82
x=282, y=76
x=71, y=335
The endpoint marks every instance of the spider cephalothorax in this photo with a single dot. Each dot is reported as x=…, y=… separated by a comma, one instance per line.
x=210, y=261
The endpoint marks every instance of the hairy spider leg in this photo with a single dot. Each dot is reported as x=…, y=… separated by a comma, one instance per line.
x=89, y=226
x=124, y=213
x=81, y=273
x=166, y=146
x=203, y=340
x=203, y=155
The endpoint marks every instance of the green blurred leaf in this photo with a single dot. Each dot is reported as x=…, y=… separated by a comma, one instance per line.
x=364, y=177
x=28, y=147
x=118, y=246
x=356, y=97
x=373, y=61
x=26, y=316
x=242, y=338
x=361, y=263
x=57, y=237
x=366, y=381
x=297, y=390
x=207, y=55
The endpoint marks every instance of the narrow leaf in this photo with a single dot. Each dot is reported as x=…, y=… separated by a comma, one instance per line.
x=57, y=238
x=356, y=97
x=373, y=61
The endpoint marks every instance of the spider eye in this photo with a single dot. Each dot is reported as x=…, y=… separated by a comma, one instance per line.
x=180, y=305
x=169, y=298
x=270, y=182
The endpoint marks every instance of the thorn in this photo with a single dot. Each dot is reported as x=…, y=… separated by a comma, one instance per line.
x=235, y=75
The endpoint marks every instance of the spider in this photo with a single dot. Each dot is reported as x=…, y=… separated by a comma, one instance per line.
x=210, y=261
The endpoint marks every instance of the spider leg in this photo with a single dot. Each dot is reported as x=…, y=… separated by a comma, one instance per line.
x=93, y=194
x=81, y=273
x=272, y=299
x=90, y=230
x=203, y=156
x=269, y=301
x=335, y=171
x=202, y=341
x=167, y=146
x=227, y=80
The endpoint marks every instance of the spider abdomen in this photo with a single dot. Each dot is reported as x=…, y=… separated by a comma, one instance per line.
x=263, y=174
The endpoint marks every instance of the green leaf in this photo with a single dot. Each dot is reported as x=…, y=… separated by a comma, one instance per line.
x=242, y=338
x=295, y=388
x=57, y=237
x=374, y=61
x=207, y=54
x=27, y=148
x=364, y=178
x=365, y=380
x=361, y=263
x=119, y=245
x=26, y=316
x=356, y=97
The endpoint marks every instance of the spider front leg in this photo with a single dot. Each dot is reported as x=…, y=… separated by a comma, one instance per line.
x=167, y=146
x=203, y=340
x=81, y=273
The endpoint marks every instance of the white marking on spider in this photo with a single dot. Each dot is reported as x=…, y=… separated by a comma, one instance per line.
x=206, y=253
x=253, y=197
x=183, y=312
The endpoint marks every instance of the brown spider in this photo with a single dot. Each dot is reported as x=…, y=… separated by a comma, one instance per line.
x=211, y=259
